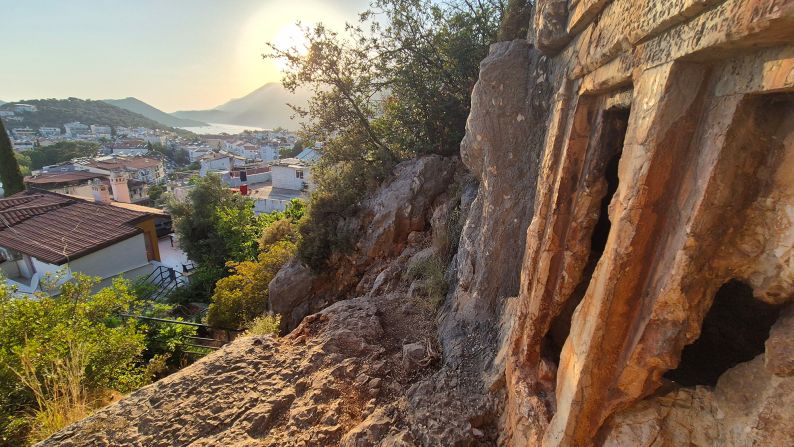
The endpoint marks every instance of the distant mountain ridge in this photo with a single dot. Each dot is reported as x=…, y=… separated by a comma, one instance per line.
x=137, y=106
x=57, y=112
x=264, y=107
x=2, y=102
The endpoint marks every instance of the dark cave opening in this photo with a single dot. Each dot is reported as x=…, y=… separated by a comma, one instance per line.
x=733, y=331
x=612, y=138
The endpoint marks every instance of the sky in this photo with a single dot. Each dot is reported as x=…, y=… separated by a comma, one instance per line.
x=172, y=54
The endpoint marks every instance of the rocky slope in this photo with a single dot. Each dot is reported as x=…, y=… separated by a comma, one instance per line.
x=624, y=275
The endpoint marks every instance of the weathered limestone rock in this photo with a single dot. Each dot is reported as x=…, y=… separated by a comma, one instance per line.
x=400, y=207
x=780, y=346
x=748, y=407
x=303, y=389
x=510, y=95
x=702, y=197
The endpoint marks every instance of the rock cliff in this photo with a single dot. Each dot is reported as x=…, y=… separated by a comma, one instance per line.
x=623, y=277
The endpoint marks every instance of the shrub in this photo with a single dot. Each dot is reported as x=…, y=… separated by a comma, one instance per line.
x=60, y=354
x=242, y=296
x=267, y=324
x=433, y=284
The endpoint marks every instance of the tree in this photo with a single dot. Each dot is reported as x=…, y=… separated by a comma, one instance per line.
x=212, y=221
x=10, y=174
x=241, y=297
x=61, y=152
x=395, y=85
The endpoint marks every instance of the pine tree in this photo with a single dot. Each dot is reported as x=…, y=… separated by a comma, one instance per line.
x=9, y=168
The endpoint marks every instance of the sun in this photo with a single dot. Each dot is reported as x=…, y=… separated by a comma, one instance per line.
x=291, y=38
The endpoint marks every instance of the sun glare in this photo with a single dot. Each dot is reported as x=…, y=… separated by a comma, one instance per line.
x=290, y=37
x=278, y=26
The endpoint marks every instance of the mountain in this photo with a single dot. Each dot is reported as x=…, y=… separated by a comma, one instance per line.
x=2, y=102
x=264, y=107
x=57, y=112
x=153, y=113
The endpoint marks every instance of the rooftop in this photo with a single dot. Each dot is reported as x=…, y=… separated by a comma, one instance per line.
x=56, y=228
x=114, y=163
x=49, y=178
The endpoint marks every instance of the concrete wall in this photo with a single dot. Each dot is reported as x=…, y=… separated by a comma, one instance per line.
x=121, y=257
x=285, y=177
x=269, y=205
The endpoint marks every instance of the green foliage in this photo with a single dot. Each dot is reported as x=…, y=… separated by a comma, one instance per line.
x=267, y=324
x=396, y=85
x=57, y=112
x=178, y=155
x=39, y=335
x=515, y=23
x=216, y=226
x=156, y=192
x=433, y=285
x=61, y=152
x=23, y=161
x=213, y=221
x=60, y=356
x=10, y=174
x=242, y=296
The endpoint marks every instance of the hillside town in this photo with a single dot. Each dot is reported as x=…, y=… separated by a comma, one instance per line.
x=120, y=187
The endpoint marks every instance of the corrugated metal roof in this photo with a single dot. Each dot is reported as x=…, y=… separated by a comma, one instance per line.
x=56, y=228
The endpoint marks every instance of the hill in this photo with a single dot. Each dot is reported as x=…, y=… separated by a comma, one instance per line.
x=137, y=106
x=2, y=102
x=264, y=107
x=57, y=112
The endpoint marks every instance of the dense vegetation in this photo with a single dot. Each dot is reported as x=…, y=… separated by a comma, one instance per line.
x=218, y=229
x=10, y=174
x=63, y=356
x=60, y=152
x=179, y=156
x=57, y=112
x=395, y=85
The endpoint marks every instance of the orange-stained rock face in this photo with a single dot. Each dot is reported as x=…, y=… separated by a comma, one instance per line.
x=625, y=271
x=703, y=197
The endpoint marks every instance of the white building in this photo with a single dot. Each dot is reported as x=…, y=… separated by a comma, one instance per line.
x=268, y=152
x=215, y=162
x=292, y=174
x=49, y=132
x=77, y=129
x=23, y=133
x=101, y=131
x=61, y=235
x=24, y=108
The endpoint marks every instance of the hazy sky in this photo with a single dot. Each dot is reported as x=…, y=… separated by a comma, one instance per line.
x=173, y=54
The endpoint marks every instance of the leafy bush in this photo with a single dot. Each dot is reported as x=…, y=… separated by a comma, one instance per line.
x=391, y=87
x=267, y=324
x=242, y=296
x=60, y=354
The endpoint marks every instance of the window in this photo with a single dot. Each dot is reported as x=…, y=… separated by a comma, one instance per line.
x=299, y=173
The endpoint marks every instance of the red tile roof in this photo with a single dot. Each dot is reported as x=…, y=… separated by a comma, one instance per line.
x=112, y=164
x=56, y=228
x=62, y=177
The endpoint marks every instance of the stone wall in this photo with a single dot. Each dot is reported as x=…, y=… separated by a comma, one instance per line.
x=696, y=101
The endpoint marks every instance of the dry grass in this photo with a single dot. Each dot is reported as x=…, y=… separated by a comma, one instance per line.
x=434, y=286
x=267, y=324
x=61, y=395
